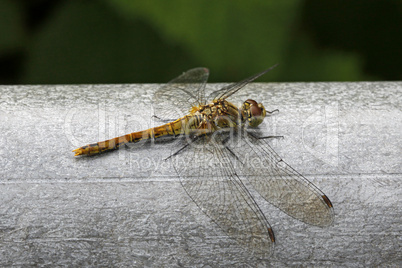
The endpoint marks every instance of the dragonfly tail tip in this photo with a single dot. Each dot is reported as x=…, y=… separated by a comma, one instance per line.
x=77, y=152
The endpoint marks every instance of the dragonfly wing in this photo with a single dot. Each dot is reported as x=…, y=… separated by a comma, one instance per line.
x=208, y=177
x=175, y=99
x=279, y=183
x=231, y=89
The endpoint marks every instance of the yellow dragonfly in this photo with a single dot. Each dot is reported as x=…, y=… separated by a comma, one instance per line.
x=220, y=152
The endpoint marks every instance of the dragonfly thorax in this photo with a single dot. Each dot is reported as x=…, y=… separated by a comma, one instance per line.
x=224, y=114
x=221, y=114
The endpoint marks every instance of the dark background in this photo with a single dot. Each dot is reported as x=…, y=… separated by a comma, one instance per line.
x=129, y=41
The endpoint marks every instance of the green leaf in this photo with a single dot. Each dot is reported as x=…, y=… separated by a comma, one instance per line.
x=233, y=38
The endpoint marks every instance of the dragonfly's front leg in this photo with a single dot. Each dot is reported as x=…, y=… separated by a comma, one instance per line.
x=271, y=112
x=266, y=137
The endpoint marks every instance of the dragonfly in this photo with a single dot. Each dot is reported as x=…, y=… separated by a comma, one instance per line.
x=220, y=154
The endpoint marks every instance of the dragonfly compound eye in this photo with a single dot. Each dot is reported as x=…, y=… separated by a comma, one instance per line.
x=255, y=112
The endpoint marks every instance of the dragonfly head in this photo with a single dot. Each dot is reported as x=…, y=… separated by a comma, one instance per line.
x=253, y=112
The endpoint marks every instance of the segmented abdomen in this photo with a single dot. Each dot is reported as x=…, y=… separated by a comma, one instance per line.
x=175, y=128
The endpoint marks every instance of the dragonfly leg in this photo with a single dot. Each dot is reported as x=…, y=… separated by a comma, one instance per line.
x=274, y=111
x=229, y=150
x=181, y=149
x=271, y=137
x=178, y=151
x=265, y=137
x=234, y=155
x=164, y=120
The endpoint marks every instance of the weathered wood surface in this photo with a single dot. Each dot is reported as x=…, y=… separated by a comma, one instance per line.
x=127, y=208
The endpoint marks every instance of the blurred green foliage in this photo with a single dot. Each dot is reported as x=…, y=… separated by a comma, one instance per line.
x=130, y=41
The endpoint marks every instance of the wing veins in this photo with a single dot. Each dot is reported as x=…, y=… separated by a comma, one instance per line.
x=233, y=88
x=299, y=189
x=239, y=215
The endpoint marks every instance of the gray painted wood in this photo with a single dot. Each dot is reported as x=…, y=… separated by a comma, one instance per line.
x=127, y=208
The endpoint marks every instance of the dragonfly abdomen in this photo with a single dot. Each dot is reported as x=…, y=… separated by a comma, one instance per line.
x=175, y=128
x=178, y=127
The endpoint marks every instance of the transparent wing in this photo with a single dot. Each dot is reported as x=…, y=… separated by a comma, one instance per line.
x=209, y=178
x=279, y=183
x=175, y=99
x=233, y=88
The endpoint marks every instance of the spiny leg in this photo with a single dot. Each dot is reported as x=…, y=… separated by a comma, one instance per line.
x=164, y=120
x=182, y=148
x=264, y=137
x=230, y=151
